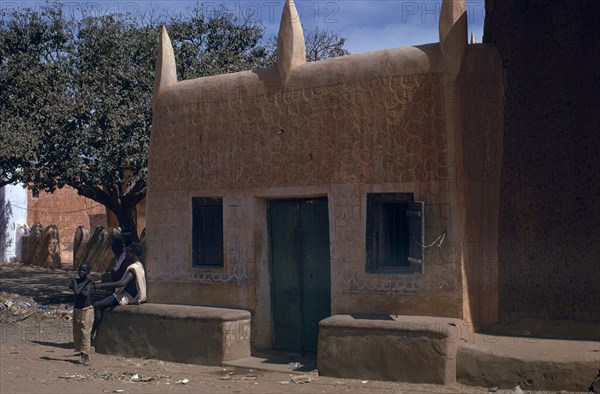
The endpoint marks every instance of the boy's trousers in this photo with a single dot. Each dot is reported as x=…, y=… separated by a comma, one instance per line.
x=83, y=319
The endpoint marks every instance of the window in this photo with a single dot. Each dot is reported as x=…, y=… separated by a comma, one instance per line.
x=207, y=231
x=394, y=233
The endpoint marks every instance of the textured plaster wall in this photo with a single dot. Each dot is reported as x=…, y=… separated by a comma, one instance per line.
x=482, y=102
x=550, y=196
x=379, y=130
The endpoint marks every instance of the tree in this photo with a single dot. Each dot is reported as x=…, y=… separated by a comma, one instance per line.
x=214, y=46
x=320, y=45
x=323, y=44
x=76, y=97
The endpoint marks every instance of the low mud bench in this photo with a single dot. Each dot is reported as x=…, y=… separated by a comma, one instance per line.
x=416, y=349
x=180, y=333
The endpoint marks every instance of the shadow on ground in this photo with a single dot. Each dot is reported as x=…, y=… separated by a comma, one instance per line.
x=46, y=286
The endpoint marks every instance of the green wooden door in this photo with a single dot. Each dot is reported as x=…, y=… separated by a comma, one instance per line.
x=300, y=277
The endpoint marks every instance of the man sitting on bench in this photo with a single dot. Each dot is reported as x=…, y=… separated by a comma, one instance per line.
x=130, y=289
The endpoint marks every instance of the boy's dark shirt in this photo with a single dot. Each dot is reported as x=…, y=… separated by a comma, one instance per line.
x=82, y=293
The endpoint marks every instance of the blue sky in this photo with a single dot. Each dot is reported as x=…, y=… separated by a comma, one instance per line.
x=367, y=25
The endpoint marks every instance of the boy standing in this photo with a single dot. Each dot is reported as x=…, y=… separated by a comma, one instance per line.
x=83, y=312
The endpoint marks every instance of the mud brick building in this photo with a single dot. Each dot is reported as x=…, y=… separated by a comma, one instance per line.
x=343, y=186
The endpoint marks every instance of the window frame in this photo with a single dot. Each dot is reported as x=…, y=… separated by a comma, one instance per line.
x=413, y=226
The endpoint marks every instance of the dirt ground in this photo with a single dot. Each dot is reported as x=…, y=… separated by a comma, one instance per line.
x=36, y=354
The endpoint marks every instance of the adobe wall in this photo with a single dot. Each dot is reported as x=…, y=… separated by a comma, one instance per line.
x=549, y=205
x=341, y=128
x=67, y=210
x=481, y=88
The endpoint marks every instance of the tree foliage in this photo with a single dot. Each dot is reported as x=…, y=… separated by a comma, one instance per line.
x=320, y=45
x=76, y=93
x=33, y=82
x=217, y=45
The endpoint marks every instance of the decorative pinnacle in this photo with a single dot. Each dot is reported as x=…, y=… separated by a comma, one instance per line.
x=166, y=71
x=291, y=49
x=453, y=35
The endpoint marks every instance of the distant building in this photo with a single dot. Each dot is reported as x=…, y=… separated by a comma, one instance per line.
x=67, y=210
x=13, y=221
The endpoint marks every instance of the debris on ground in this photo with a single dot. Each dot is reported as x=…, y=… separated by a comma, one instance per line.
x=517, y=390
x=15, y=308
x=77, y=377
x=107, y=376
x=302, y=379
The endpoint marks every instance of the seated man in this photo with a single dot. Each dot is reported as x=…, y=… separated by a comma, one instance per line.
x=118, y=247
x=130, y=289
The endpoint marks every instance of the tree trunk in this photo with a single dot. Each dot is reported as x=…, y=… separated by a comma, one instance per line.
x=127, y=217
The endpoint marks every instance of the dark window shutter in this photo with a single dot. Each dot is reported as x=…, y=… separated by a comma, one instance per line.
x=371, y=236
x=416, y=229
x=207, y=231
